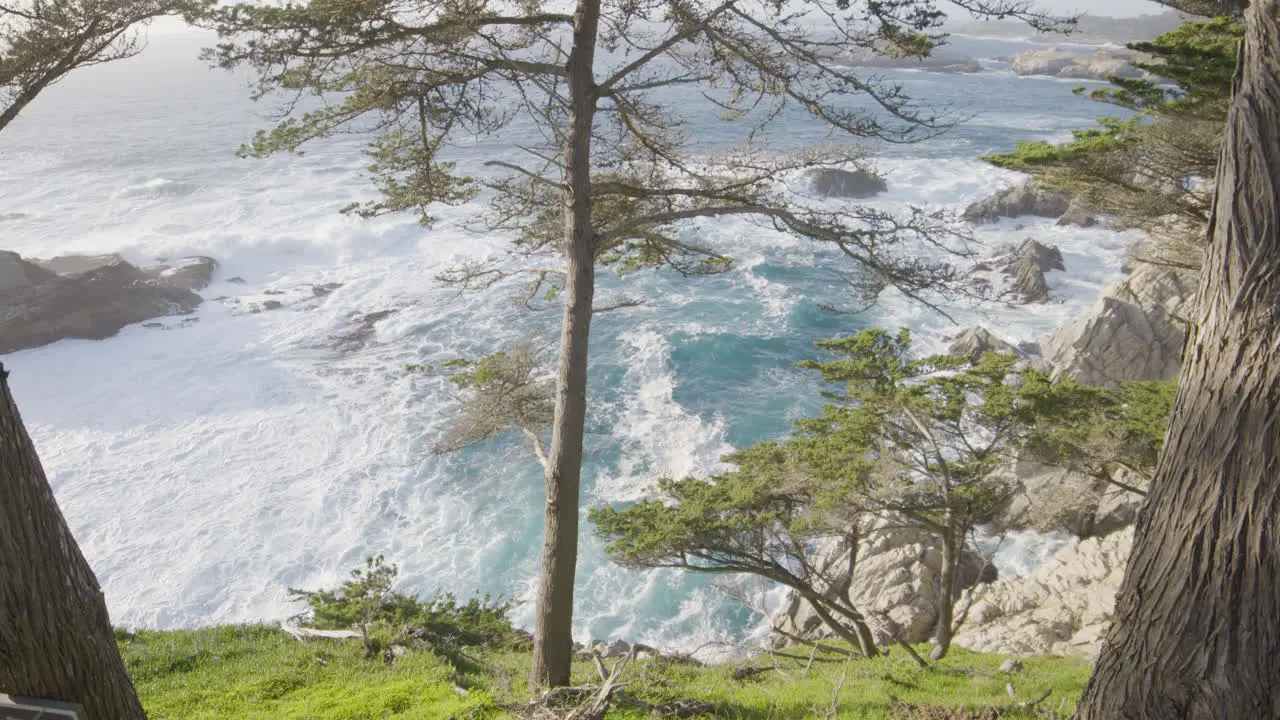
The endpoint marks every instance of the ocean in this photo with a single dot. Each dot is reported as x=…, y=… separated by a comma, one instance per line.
x=205, y=467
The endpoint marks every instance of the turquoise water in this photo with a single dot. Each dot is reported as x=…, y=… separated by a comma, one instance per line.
x=207, y=468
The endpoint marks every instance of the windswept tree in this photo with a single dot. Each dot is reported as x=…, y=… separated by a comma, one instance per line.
x=55, y=636
x=1197, y=623
x=609, y=175
x=41, y=41
x=1111, y=435
x=941, y=429
x=919, y=442
x=765, y=518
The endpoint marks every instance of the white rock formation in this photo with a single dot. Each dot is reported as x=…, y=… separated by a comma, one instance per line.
x=1063, y=608
x=896, y=578
x=1098, y=65
x=1135, y=330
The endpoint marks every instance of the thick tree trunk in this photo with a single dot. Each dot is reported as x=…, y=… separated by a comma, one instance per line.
x=1197, y=628
x=55, y=637
x=946, y=592
x=553, y=633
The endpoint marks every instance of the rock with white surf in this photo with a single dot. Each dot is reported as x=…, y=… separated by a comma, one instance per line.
x=87, y=297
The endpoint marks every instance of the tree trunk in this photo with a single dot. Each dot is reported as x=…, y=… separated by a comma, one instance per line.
x=56, y=640
x=946, y=591
x=860, y=637
x=1197, y=628
x=553, y=632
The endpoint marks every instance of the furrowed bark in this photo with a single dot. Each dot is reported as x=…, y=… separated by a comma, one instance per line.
x=56, y=640
x=1197, y=628
x=553, y=632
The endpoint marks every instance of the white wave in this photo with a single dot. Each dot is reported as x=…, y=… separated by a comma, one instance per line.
x=657, y=437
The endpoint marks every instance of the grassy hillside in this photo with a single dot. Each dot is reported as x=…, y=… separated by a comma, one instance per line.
x=260, y=673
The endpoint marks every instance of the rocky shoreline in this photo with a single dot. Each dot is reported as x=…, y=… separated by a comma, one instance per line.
x=1133, y=332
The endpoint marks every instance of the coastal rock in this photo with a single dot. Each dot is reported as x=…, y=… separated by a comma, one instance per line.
x=1099, y=65
x=1063, y=608
x=1054, y=499
x=853, y=184
x=80, y=297
x=1077, y=216
x=895, y=582
x=612, y=649
x=977, y=341
x=360, y=331
x=1017, y=201
x=1135, y=331
x=190, y=273
x=17, y=274
x=1023, y=268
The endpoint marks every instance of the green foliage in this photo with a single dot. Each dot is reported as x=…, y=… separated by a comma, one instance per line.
x=367, y=602
x=1154, y=166
x=1097, y=429
x=505, y=391
x=260, y=673
x=741, y=521
x=938, y=426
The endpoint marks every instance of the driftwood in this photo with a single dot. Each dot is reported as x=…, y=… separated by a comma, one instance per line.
x=593, y=701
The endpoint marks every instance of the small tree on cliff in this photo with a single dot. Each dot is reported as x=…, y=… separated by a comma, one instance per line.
x=763, y=519
x=1197, y=626
x=609, y=176
x=941, y=429
x=41, y=41
x=55, y=637
x=918, y=441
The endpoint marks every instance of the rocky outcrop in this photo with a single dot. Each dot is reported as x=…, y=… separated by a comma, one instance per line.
x=1077, y=215
x=976, y=342
x=895, y=583
x=1053, y=499
x=1063, y=608
x=190, y=273
x=853, y=184
x=1135, y=331
x=1023, y=268
x=1098, y=65
x=1017, y=201
x=89, y=297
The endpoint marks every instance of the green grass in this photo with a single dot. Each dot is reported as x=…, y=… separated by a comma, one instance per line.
x=257, y=672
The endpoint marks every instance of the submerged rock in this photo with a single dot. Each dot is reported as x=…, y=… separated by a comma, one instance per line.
x=88, y=297
x=853, y=184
